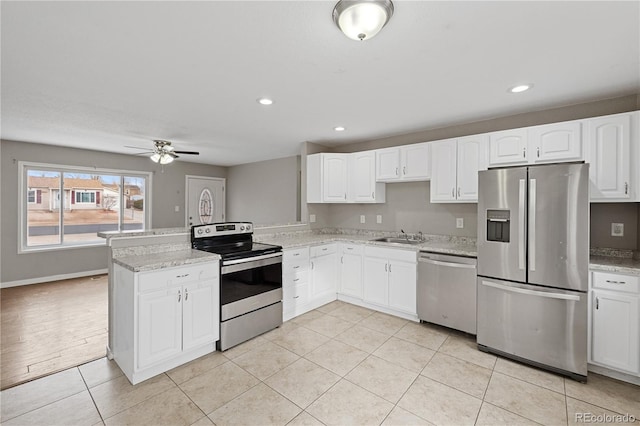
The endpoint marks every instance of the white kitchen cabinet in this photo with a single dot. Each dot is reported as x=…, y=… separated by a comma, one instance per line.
x=404, y=163
x=164, y=318
x=295, y=281
x=324, y=272
x=327, y=178
x=455, y=165
x=557, y=142
x=508, y=147
x=351, y=270
x=612, y=152
x=363, y=187
x=615, y=319
x=390, y=279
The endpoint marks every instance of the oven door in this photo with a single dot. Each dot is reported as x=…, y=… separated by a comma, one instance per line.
x=249, y=284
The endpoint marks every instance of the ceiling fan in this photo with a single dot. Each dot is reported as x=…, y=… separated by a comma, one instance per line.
x=162, y=152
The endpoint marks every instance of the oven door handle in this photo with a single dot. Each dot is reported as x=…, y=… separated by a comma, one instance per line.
x=250, y=263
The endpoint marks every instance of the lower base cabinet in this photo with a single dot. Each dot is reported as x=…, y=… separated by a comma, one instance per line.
x=164, y=318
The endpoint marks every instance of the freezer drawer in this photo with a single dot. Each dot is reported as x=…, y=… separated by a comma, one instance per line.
x=446, y=291
x=545, y=327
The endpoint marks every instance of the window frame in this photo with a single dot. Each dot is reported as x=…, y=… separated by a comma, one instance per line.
x=35, y=196
x=23, y=169
x=92, y=192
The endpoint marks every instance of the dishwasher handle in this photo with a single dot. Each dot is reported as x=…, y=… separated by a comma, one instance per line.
x=449, y=264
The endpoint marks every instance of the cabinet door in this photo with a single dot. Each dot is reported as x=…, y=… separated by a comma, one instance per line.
x=324, y=275
x=362, y=177
x=314, y=178
x=610, y=157
x=615, y=331
x=334, y=178
x=415, y=162
x=388, y=164
x=471, y=151
x=402, y=286
x=199, y=315
x=159, y=325
x=351, y=274
x=556, y=142
x=443, y=172
x=508, y=147
x=376, y=281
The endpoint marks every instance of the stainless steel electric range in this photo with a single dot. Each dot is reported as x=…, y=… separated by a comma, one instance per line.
x=250, y=280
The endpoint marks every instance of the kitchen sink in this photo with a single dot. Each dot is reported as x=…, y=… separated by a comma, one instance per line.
x=398, y=240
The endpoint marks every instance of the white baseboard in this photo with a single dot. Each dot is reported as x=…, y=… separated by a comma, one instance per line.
x=50, y=278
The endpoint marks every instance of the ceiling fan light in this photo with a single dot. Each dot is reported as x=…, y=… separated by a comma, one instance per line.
x=362, y=19
x=166, y=158
x=155, y=157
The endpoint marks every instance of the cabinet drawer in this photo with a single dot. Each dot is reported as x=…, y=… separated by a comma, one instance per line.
x=616, y=282
x=352, y=248
x=391, y=254
x=180, y=275
x=295, y=266
x=291, y=255
x=323, y=249
x=295, y=295
x=296, y=278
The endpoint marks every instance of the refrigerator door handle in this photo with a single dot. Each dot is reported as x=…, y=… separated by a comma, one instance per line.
x=532, y=292
x=521, y=225
x=532, y=224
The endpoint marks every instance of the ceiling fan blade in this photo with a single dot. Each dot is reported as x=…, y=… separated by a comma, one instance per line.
x=187, y=152
x=144, y=153
x=137, y=147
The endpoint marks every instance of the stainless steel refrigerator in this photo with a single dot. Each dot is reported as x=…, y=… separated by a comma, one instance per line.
x=533, y=262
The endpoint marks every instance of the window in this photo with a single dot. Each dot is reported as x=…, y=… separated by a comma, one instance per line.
x=71, y=205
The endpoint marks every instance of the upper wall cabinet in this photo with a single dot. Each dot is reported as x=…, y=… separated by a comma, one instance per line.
x=343, y=178
x=613, y=155
x=455, y=164
x=404, y=163
x=550, y=143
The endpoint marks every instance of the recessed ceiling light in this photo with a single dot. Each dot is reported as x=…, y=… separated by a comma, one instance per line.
x=520, y=88
x=265, y=101
x=339, y=129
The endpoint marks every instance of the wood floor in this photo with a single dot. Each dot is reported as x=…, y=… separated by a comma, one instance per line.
x=51, y=327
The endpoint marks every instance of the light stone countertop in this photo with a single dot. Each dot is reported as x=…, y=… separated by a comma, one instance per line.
x=437, y=244
x=619, y=265
x=167, y=259
x=143, y=233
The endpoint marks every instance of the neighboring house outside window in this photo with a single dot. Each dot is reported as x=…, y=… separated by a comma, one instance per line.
x=67, y=206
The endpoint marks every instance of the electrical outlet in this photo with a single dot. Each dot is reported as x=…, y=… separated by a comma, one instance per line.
x=177, y=208
x=312, y=218
x=617, y=229
x=459, y=222
x=379, y=218
x=362, y=219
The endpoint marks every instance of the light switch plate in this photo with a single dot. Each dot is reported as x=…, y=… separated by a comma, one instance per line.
x=459, y=222
x=379, y=218
x=312, y=218
x=617, y=229
x=362, y=219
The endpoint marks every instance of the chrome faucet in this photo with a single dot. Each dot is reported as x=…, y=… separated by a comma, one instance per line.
x=403, y=233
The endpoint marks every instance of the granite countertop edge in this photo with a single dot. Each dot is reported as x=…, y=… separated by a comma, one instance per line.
x=157, y=261
x=615, y=265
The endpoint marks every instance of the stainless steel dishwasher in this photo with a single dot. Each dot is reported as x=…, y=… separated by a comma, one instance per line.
x=446, y=291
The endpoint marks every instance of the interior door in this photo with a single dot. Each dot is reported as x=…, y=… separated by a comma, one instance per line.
x=205, y=200
x=559, y=226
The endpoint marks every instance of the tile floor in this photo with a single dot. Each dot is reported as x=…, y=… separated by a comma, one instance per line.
x=340, y=364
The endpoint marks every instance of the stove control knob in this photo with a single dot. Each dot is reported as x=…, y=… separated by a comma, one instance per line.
x=242, y=227
x=200, y=231
x=207, y=230
x=248, y=227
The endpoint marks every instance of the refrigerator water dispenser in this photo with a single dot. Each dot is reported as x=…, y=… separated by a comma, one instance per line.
x=498, y=224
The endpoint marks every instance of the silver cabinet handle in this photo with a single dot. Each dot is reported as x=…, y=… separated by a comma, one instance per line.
x=179, y=296
x=404, y=170
x=396, y=171
x=345, y=195
x=373, y=195
x=385, y=267
x=458, y=192
x=532, y=292
x=532, y=224
x=453, y=192
x=341, y=259
x=186, y=294
x=615, y=282
x=538, y=152
x=296, y=280
x=325, y=249
x=597, y=303
x=626, y=188
x=311, y=265
x=296, y=267
x=521, y=202
x=389, y=267
x=524, y=152
x=182, y=276
x=296, y=297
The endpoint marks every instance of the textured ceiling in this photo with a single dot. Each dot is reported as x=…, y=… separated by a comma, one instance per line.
x=102, y=75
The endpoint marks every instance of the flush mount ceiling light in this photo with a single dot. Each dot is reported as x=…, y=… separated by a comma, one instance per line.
x=265, y=101
x=339, y=129
x=520, y=88
x=362, y=19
